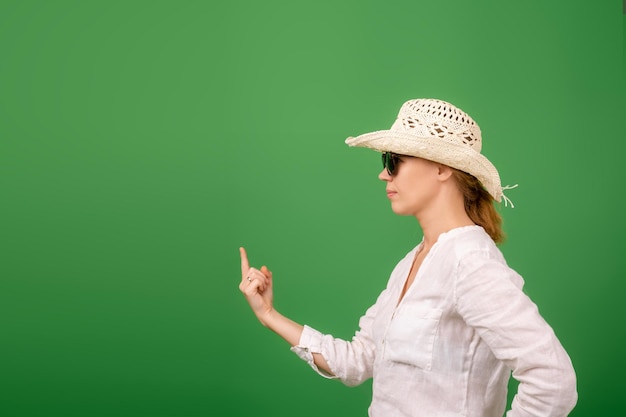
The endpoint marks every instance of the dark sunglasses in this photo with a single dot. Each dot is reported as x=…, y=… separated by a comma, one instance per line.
x=391, y=161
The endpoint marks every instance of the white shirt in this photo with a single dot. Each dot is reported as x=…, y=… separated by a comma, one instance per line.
x=448, y=347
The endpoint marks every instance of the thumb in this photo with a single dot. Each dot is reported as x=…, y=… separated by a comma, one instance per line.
x=266, y=271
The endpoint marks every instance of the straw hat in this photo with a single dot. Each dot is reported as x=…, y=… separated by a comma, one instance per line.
x=440, y=132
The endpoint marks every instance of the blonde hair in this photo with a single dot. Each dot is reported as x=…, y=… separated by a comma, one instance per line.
x=479, y=205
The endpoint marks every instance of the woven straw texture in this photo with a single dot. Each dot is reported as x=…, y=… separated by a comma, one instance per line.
x=440, y=132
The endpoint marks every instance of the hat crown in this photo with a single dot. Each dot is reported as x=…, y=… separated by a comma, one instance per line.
x=438, y=119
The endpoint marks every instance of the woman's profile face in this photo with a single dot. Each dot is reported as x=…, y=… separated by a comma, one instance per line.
x=412, y=186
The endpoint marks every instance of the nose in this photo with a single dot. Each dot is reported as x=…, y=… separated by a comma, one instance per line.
x=384, y=175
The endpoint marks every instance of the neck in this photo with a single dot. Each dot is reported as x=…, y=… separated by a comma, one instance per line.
x=441, y=218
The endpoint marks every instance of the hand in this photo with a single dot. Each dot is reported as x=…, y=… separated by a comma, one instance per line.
x=257, y=286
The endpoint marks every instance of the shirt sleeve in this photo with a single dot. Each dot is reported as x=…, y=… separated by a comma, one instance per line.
x=350, y=361
x=490, y=299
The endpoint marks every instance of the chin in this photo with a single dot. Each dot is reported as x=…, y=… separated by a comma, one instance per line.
x=401, y=211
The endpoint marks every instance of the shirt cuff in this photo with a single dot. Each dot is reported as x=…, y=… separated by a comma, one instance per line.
x=310, y=343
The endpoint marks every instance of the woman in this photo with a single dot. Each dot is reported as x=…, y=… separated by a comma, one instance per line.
x=453, y=321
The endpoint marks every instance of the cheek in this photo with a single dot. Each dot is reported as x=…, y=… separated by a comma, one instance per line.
x=416, y=190
x=415, y=182
x=410, y=185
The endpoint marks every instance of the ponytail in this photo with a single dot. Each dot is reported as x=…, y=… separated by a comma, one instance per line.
x=479, y=205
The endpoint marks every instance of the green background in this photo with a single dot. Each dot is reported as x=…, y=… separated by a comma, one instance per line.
x=142, y=142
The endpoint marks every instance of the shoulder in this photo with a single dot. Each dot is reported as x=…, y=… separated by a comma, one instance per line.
x=475, y=255
x=470, y=241
x=480, y=259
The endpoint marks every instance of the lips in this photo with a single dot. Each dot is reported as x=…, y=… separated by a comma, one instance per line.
x=391, y=193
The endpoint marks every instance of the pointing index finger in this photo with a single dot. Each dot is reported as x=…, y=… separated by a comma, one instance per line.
x=245, y=265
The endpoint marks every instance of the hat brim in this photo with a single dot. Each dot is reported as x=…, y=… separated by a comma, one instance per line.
x=461, y=157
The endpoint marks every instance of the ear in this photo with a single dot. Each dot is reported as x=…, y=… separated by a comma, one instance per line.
x=444, y=172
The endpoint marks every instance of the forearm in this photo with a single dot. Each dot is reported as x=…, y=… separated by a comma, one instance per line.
x=282, y=326
x=291, y=332
x=545, y=389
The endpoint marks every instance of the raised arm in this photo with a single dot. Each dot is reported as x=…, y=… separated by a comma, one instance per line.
x=257, y=286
